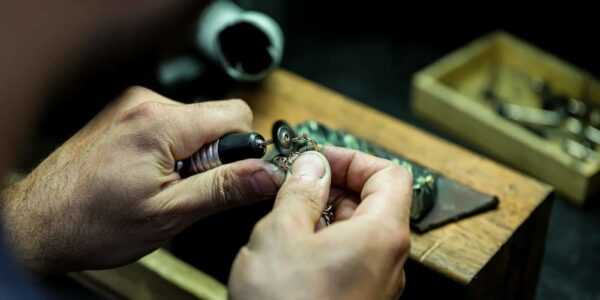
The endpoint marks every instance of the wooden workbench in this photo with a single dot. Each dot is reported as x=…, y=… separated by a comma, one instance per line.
x=494, y=255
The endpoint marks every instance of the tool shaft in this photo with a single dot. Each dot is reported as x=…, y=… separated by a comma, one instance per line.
x=227, y=149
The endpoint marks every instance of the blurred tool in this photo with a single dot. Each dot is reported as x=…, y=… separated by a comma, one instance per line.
x=247, y=44
x=573, y=122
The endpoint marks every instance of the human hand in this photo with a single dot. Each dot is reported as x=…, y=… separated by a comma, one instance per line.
x=360, y=256
x=110, y=195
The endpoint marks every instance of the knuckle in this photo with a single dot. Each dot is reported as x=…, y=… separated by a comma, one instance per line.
x=302, y=183
x=266, y=225
x=400, y=243
x=403, y=174
x=225, y=190
x=262, y=230
x=304, y=194
x=135, y=94
x=143, y=111
x=261, y=226
x=149, y=108
x=390, y=237
x=284, y=221
x=313, y=205
x=137, y=90
x=243, y=108
x=226, y=110
x=142, y=126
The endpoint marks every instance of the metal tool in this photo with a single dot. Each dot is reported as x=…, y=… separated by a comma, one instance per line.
x=234, y=147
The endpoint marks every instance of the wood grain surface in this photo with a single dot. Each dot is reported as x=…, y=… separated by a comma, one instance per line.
x=459, y=250
x=494, y=255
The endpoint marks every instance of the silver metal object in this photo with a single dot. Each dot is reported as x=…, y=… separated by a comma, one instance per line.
x=595, y=117
x=575, y=149
x=592, y=134
x=206, y=158
x=573, y=126
x=304, y=138
x=576, y=107
x=575, y=122
x=223, y=15
x=285, y=161
x=265, y=143
x=328, y=214
x=530, y=115
x=284, y=137
x=178, y=166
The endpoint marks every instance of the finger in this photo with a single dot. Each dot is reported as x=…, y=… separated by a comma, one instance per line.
x=345, y=209
x=187, y=127
x=227, y=186
x=385, y=188
x=192, y=126
x=351, y=168
x=344, y=203
x=387, y=194
x=321, y=224
x=125, y=104
x=303, y=195
x=401, y=283
x=396, y=284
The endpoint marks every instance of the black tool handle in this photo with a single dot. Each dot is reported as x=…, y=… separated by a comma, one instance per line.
x=229, y=148
x=237, y=146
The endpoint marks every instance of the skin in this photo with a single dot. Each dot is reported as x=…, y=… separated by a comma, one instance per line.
x=360, y=256
x=109, y=195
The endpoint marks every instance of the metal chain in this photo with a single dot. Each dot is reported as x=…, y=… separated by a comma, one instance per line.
x=285, y=163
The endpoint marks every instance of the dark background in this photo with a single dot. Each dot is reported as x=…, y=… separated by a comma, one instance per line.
x=369, y=50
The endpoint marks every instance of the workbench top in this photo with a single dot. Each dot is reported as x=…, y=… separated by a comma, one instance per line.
x=459, y=250
x=493, y=255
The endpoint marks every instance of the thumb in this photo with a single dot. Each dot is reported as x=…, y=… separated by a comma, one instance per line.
x=227, y=186
x=304, y=193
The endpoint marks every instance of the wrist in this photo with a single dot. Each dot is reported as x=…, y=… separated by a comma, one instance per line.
x=21, y=234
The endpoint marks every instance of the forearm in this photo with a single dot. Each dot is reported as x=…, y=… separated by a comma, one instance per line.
x=45, y=45
x=30, y=217
x=109, y=195
x=12, y=201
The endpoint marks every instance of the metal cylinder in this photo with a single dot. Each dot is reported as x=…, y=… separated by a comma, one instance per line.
x=247, y=44
x=227, y=149
x=206, y=158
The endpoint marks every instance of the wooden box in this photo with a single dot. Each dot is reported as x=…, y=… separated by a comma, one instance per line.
x=493, y=255
x=449, y=94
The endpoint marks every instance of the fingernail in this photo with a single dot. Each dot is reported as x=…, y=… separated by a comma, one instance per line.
x=267, y=182
x=309, y=164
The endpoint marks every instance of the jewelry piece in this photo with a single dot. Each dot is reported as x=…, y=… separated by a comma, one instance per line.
x=424, y=180
x=328, y=215
x=284, y=162
x=304, y=138
x=290, y=146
